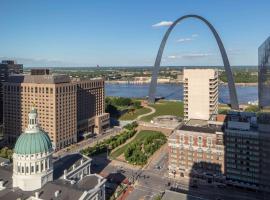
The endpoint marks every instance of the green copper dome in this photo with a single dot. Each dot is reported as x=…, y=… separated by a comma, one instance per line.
x=34, y=140
x=32, y=143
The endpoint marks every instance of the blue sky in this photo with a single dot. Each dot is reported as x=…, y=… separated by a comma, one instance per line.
x=121, y=32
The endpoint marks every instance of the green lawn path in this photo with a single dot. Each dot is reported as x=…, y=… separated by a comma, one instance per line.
x=135, y=114
x=139, y=136
x=166, y=108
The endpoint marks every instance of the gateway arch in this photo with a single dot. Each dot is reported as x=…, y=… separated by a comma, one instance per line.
x=228, y=71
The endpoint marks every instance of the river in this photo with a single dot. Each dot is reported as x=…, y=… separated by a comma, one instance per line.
x=175, y=92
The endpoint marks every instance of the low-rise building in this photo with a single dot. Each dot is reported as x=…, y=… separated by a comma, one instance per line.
x=195, y=149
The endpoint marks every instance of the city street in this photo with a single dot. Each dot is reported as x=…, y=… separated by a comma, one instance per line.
x=88, y=142
x=152, y=181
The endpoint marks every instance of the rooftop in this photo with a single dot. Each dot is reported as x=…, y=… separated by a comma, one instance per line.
x=197, y=125
x=67, y=189
x=171, y=195
x=39, y=79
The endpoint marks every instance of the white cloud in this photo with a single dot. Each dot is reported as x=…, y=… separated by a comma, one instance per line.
x=163, y=23
x=190, y=55
x=194, y=35
x=185, y=39
x=172, y=57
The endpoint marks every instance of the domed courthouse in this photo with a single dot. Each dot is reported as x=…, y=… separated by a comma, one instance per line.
x=32, y=158
x=34, y=173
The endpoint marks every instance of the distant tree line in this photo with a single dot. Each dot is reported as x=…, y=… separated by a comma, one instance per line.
x=240, y=77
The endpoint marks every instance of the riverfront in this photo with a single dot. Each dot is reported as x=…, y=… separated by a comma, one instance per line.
x=175, y=92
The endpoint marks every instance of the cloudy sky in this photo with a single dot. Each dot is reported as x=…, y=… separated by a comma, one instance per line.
x=128, y=33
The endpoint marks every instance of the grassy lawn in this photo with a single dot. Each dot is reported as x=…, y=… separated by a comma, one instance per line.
x=166, y=108
x=133, y=115
x=140, y=136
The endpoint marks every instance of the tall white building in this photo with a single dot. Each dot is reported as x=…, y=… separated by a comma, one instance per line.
x=200, y=93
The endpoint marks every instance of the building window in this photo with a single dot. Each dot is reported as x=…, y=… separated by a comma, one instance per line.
x=182, y=138
x=209, y=141
x=190, y=140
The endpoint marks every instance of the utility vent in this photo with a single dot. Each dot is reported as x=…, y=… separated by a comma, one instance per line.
x=72, y=182
x=57, y=193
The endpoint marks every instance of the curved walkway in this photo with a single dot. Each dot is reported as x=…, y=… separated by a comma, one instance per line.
x=153, y=110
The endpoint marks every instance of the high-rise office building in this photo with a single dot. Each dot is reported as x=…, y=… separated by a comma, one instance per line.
x=61, y=103
x=7, y=67
x=200, y=93
x=264, y=74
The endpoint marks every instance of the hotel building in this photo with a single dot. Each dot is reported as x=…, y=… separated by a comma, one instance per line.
x=62, y=103
x=197, y=142
x=200, y=93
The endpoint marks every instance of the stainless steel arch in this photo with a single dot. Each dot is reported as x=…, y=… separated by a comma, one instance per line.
x=231, y=84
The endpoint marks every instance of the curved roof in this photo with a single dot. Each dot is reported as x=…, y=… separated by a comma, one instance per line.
x=32, y=143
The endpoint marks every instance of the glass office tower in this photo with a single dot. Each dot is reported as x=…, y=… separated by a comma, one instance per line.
x=264, y=74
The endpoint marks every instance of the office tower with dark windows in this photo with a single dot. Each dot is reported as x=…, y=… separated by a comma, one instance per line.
x=264, y=74
x=7, y=67
x=247, y=150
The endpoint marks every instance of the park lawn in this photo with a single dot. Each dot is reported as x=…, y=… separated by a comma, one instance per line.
x=140, y=136
x=133, y=115
x=166, y=108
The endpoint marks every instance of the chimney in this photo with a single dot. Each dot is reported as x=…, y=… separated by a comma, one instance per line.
x=65, y=174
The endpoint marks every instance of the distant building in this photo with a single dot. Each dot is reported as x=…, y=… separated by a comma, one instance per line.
x=66, y=107
x=200, y=93
x=197, y=148
x=264, y=74
x=36, y=176
x=7, y=67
